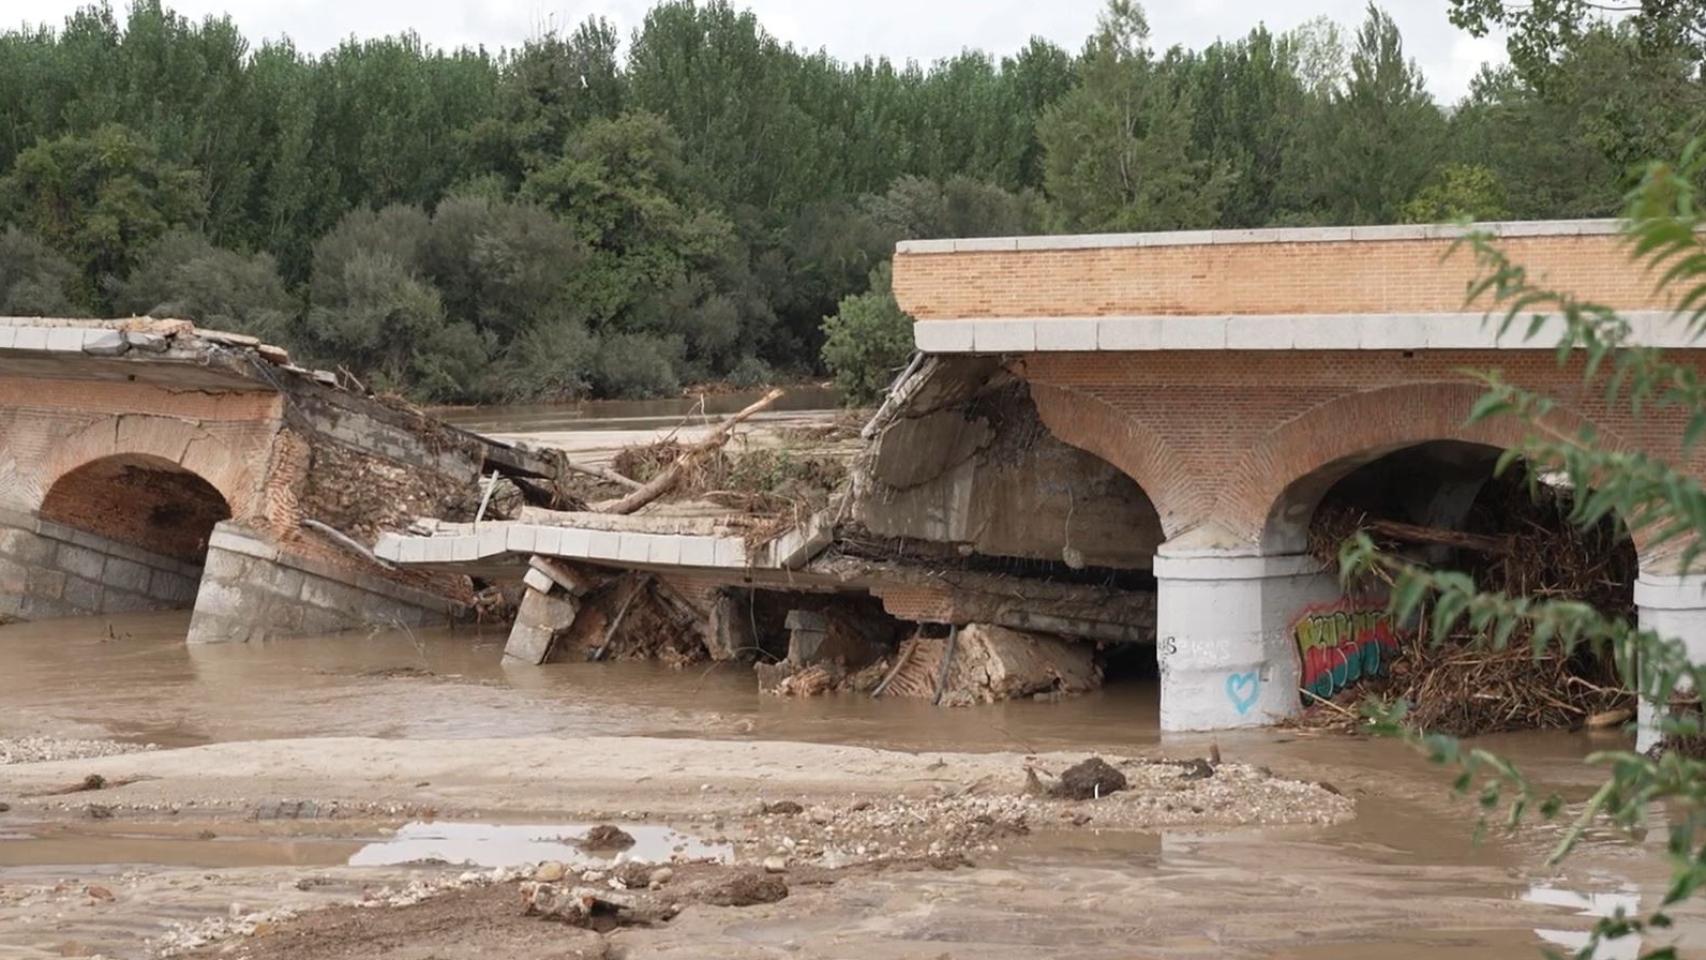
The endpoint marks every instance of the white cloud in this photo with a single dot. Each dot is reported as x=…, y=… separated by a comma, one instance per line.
x=923, y=30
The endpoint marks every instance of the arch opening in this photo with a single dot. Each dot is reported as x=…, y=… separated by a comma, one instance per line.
x=142, y=501
x=1441, y=504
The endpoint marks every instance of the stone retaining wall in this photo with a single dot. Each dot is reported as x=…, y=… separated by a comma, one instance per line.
x=250, y=591
x=50, y=570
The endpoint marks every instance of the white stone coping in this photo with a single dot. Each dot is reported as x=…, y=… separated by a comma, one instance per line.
x=58, y=337
x=1278, y=331
x=1224, y=567
x=1661, y=592
x=622, y=547
x=1197, y=238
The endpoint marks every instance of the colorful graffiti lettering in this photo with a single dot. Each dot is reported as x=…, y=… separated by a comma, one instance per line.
x=1339, y=645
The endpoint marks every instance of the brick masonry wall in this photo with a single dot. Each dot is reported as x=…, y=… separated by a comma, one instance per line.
x=1351, y=276
x=1219, y=440
x=49, y=570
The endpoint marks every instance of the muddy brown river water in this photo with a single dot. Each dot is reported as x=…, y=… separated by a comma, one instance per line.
x=1404, y=879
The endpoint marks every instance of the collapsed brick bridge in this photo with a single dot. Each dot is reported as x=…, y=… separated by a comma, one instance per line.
x=146, y=464
x=1237, y=376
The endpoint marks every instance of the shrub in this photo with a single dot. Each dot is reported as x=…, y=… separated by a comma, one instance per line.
x=184, y=275
x=34, y=281
x=868, y=340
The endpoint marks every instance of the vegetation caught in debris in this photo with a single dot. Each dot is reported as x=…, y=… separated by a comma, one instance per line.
x=1518, y=540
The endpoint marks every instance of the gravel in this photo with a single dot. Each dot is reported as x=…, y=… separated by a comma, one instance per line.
x=40, y=749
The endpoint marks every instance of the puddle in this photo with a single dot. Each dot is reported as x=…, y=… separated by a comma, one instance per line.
x=509, y=845
x=1627, y=899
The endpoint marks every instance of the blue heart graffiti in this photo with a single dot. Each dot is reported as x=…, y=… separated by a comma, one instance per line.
x=1243, y=689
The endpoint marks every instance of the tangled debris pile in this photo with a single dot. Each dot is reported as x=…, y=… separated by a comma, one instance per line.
x=1518, y=539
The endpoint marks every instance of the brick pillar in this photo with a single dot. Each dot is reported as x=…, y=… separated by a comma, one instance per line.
x=1224, y=637
x=1674, y=607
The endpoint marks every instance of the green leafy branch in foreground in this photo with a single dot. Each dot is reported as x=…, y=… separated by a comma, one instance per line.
x=1662, y=507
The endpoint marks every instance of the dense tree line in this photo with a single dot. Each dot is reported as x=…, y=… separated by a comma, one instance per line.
x=583, y=215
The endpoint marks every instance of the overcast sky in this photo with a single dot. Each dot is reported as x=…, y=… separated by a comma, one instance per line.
x=923, y=30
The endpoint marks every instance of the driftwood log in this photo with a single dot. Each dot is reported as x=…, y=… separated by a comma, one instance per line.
x=1411, y=533
x=603, y=474
x=667, y=478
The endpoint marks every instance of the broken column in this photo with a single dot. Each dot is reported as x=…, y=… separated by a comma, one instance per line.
x=1227, y=655
x=548, y=607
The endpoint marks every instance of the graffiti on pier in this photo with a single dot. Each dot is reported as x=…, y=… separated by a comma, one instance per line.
x=1243, y=689
x=1339, y=644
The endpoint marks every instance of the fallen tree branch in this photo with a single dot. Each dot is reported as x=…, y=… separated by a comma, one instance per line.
x=603, y=474
x=640, y=587
x=661, y=484
x=1412, y=533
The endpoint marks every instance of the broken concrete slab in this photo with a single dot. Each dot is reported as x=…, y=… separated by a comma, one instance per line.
x=992, y=663
x=541, y=617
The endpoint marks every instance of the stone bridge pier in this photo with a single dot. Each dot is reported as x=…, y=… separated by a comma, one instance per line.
x=1242, y=378
x=148, y=465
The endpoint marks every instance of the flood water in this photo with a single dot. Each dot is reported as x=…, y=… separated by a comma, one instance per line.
x=1405, y=879
x=1407, y=864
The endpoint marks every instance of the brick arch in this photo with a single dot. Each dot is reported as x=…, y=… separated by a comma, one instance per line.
x=1273, y=492
x=181, y=443
x=1091, y=424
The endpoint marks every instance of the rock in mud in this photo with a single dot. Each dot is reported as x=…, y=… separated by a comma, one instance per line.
x=744, y=888
x=1089, y=780
x=606, y=837
x=634, y=875
x=592, y=908
x=550, y=871
x=786, y=808
x=1197, y=769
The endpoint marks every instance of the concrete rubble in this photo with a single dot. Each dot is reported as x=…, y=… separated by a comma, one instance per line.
x=958, y=516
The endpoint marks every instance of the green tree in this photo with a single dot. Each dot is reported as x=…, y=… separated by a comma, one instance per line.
x=1540, y=35
x=549, y=88
x=1250, y=105
x=34, y=281
x=372, y=310
x=99, y=200
x=868, y=340
x=1117, y=148
x=184, y=275
x=1458, y=192
x=1378, y=141
x=661, y=257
